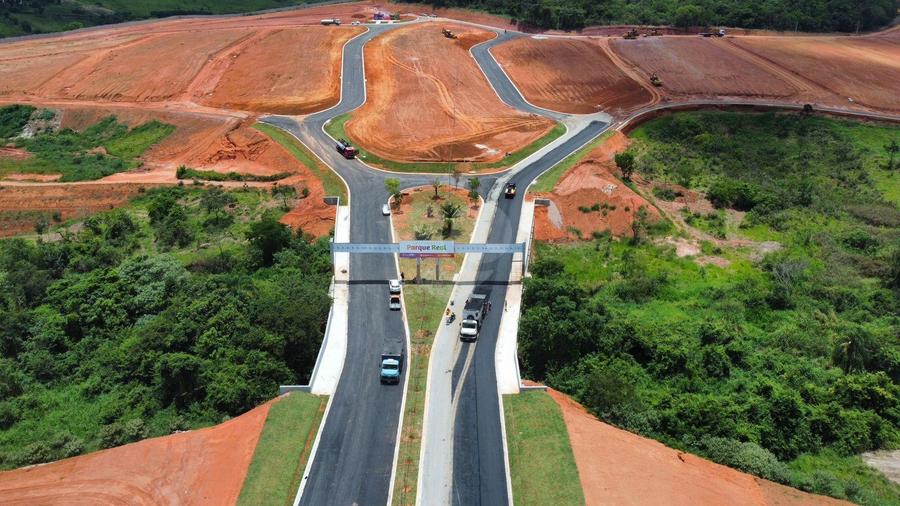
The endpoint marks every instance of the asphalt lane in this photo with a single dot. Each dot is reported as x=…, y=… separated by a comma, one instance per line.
x=479, y=471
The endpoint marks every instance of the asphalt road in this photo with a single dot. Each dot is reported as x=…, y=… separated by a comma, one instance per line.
x=354, y=458
x=355, y=455
x=479, y=472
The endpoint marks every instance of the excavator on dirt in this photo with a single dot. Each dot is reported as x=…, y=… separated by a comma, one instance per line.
x=631, y=34
x=655, y=80
x=653, y=33
x=447, y=33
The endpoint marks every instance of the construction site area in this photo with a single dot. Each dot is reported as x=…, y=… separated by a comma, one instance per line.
x=227, y=85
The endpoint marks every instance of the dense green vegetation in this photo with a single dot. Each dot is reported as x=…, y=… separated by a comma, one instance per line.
x=23, y=17
x=184, y=172
x=785, y=365
x=102, y=149
x=189, y=306
x=809, y=15
x=283, y=450
x=541, y=463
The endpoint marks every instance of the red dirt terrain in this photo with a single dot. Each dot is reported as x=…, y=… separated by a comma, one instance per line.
x=205, y=466
x=429, y=101
x=591, y=182
x=569, y=75
x=645, y=471
x=864, y=69
x=279, y=85
x=702, y=67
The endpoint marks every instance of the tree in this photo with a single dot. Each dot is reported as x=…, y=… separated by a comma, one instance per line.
x=449, y=211
x=687, y=16
x=436, y=184
x=40, y=226
x=892, y=149
x=455, y=174
x=392, y=186
x=625, y=163
x=639, y=225
x=268, y=237
x=474, y=184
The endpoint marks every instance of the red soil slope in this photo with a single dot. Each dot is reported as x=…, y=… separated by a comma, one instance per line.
x=621, y=468
x=702, y=67
x=205, y=466
x=429, y=101
x=864, y=69
x=591, y=182
x=569, y=75
x=279, y=64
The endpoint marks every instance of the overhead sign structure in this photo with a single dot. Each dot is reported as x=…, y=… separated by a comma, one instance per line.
x=427, y=249
x=413, y=249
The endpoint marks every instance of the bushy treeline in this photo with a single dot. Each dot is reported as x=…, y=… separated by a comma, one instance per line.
x=119, y=332
x=811, y=15
x=767, y=364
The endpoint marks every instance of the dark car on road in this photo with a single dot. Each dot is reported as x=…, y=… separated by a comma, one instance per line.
x=510, y=191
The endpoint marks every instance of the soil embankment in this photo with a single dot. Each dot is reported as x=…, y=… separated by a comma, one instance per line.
x=590, y=198
x=205, y=466
x=645, y=471
x=429, y=101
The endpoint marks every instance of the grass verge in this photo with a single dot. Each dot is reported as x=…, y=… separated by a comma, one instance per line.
x=335, y=128
x=332, y=183
x=211, y=175
x=548, y=180
x=283, y=449
x=541, y=462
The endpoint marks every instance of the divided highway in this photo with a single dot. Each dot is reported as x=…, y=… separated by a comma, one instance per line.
x=354, y=458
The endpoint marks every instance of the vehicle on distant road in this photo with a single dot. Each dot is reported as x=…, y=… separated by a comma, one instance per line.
x=394, y=286
x=510, y=191
x=355, y=23
x=385, y=210
x=474, y=313
x=392, y=360
x=394, y=303
x=331, y=21
x=346, y=149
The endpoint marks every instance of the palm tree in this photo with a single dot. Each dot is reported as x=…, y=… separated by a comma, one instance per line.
x=449, y=211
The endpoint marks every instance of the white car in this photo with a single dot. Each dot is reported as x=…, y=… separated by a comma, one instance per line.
x=394, y=286
x=394, y=303
x=355, y=23
x=385, y=210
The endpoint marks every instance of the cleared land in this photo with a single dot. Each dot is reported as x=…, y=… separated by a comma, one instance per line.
x=569, y=75
x=702, y=67
x=429, y=101
x=864, y=69
x=205, y=466
x=280, y=65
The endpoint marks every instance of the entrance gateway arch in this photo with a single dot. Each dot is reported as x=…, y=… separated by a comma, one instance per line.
x=431, y=249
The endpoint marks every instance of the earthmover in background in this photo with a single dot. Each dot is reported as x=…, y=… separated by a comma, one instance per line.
x=346, y=149
x=447, y=33
x=331, y=21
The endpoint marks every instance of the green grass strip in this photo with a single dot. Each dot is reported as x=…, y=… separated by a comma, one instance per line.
x=332, y=183
x=283, y=450
x=541, y=462
x=335, y=128
x=211, y=175
x=548, y=180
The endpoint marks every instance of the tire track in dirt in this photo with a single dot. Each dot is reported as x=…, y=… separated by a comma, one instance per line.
x=207, y=78
x=803, y=84
x=632, y=71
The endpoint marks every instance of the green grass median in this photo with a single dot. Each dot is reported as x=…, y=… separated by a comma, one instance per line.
x=541, y=462
x=335, y=128
x=283, y=450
